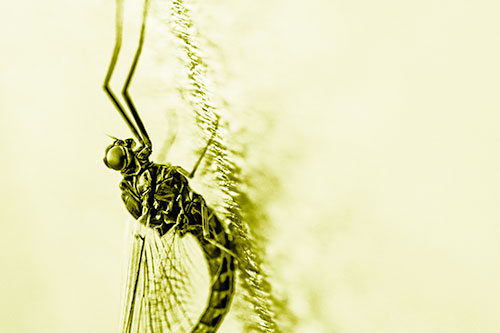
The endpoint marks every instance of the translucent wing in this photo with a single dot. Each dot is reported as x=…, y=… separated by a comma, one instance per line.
x=168, y=282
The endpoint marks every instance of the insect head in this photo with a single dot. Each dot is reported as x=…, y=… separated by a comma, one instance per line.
x=120, y=156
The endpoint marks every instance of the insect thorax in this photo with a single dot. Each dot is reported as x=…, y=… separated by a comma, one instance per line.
x=172, y=202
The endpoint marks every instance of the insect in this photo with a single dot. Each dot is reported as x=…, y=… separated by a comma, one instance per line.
x=168, y=212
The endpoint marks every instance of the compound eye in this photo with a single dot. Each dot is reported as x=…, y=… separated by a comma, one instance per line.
x=116, y=158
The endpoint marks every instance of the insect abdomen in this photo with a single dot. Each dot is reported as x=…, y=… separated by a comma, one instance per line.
x=222, y=272
x=221, y=291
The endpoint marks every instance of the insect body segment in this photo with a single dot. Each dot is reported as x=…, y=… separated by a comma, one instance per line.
x=222, y=267
x=159, y=196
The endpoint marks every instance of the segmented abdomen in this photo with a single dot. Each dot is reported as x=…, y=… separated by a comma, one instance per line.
x=223, y=274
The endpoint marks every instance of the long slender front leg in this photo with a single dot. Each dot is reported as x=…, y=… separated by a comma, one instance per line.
x=125, y=93
x=111, y=68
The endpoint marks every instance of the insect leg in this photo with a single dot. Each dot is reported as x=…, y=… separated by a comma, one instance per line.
x=206, y=230
x=125, y=93
x=111, y=68
x=172, y=126
x=140, y=237
x=214, y=131
x=130, y=312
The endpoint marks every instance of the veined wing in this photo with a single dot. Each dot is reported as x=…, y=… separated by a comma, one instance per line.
x=168, y=282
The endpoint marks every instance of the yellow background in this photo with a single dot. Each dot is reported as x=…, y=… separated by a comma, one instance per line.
x=385, y=140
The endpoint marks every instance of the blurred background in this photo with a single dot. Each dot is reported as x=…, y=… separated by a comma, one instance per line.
x=379, y=123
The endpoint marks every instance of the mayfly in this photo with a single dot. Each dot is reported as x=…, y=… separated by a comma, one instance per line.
x=159, y=197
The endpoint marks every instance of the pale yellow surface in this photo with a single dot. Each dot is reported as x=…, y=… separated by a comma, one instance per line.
x=386, y=141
